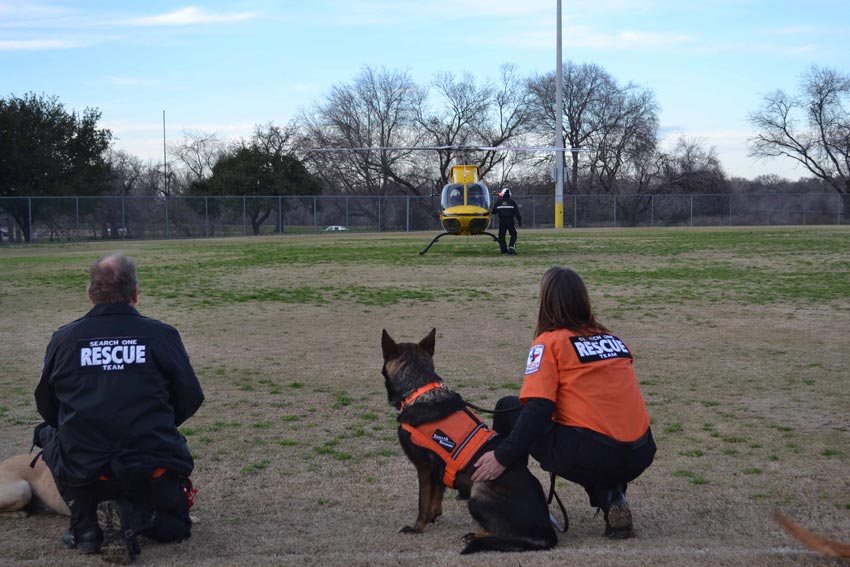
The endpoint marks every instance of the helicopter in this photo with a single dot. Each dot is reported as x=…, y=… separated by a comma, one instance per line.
x=464, y=205
x=465, y=200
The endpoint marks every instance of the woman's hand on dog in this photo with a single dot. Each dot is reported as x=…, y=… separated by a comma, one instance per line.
x=487, y=468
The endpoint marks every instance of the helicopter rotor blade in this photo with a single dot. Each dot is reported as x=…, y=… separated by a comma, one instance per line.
x=444, y=148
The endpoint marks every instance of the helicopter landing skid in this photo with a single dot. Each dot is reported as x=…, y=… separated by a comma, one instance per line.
x=439, y=236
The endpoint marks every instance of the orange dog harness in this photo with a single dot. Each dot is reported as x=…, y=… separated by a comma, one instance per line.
x=455, y=438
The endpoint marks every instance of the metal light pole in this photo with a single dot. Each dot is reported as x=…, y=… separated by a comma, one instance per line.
x=559, y=132
x=165, y=158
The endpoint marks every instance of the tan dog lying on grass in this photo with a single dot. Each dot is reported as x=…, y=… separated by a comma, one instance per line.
x=25, y=488
x=822, y=545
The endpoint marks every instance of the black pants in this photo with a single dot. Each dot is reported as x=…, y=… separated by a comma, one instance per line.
x=506, y=225
x=590, y=459
x=156, y=507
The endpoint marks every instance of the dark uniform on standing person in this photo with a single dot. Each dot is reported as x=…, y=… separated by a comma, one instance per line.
x=580, y=412
x=114, y=388
x=506, y=208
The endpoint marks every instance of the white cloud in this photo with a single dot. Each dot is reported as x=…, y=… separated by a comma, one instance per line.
x=10, y=12
x=586, y=37
x=39, y=44
x=732, y=147
x=191, y=15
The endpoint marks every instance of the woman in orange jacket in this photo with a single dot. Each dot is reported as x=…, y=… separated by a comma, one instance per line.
x=580, y=412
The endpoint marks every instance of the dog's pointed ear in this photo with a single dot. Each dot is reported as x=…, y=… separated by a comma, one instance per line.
x=427, y=344
x=389, y=346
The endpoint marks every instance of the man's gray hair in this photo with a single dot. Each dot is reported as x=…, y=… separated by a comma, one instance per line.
x=112, y=279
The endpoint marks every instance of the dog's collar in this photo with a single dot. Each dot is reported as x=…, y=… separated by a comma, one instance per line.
x=418, y=392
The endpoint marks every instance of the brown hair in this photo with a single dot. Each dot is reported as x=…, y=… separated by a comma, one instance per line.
x=112, y=279
x=565, y=303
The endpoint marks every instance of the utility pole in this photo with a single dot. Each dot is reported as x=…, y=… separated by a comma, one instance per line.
x=558, y=171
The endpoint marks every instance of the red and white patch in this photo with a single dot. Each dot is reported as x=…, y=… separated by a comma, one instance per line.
x=535, y=355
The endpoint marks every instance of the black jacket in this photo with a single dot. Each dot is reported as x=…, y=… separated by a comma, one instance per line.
x=116, y=385
x=507, y=209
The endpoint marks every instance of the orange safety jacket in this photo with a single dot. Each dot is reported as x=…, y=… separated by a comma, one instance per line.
x=455, y=438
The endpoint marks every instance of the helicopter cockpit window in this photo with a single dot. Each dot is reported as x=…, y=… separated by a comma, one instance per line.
x=452, y=196
x=478, y=196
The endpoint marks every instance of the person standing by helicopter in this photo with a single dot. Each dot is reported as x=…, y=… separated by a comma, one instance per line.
x=506, y=208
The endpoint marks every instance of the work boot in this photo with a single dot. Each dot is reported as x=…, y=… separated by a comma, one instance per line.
x=618, y=517
x=512, y=250
x=88, y=542
x=119, y=545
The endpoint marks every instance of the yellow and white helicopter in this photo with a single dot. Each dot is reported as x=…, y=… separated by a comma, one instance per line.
x=464, y=205
x=465, y=200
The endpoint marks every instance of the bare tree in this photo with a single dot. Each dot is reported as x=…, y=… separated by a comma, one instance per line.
x=386, y=109
x=471, y=114
x=812, y=128
x=378, y=110
x=690, y=167
x=608, y=126
x=198, y=153
x=273, y=140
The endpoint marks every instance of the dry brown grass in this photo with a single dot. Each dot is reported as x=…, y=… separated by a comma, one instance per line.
x=297, y=457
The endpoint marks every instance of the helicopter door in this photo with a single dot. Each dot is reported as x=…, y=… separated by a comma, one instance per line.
x=478, y=196
x=452, y=196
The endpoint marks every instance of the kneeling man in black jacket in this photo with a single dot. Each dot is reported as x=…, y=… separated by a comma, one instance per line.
x=114, y=388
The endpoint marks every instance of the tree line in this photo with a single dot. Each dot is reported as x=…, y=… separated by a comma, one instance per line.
x=610, y=130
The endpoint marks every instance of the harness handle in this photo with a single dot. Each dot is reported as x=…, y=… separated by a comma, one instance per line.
x=552, y=493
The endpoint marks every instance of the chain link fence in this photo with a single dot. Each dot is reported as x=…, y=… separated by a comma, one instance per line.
x=51, y=219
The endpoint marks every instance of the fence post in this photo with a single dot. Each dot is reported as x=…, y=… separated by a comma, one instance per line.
x=29, y=219
x=206, y=216
x=77, y=214
x=838, y=208
x=407, y=214
x=380, y=219
x=533, y=211
x=315, y=214
x=123, y=220
x=805, y=206
x=730, y=209
x=615, y=211
x=167, y=235
x=347, y=221
x=279, y=214
x=651, y=210
x=691, y=221
x=244, y=215
x=575, y=211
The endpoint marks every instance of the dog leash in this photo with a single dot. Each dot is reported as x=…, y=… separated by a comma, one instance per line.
x=553, y=494
x=492, y=411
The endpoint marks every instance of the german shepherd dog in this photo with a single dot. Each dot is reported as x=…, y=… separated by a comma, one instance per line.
x=828, y=547
x=511, y=510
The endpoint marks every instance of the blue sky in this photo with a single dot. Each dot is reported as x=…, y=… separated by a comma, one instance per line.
x=224, y=66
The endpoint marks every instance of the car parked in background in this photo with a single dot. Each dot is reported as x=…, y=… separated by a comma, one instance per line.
x=335, y=227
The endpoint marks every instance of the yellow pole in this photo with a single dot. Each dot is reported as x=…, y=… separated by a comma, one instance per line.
x=559, y=134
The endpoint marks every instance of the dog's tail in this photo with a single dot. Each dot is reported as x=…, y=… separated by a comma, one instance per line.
x=487, y=542
x=822, y=545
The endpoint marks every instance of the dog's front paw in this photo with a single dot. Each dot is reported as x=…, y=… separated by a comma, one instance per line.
x=468, y=537
x=409, y=530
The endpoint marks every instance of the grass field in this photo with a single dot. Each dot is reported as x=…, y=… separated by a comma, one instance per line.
x=741, y=342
